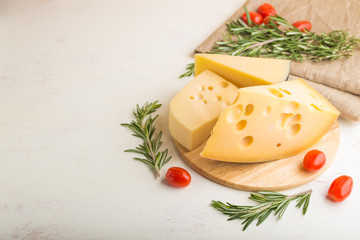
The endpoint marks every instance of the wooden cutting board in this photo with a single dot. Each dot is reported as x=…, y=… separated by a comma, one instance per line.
x=273, y=176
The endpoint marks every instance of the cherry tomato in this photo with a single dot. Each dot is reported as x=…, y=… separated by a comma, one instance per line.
x=340, y=188
x=254, y=17
x=267, y=21
x=302, y=25
x=178, y=177
x=314, y=160
x=266, y=9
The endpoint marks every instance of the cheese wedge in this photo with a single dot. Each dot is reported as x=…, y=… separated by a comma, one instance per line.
x=244, y=71
x=270, y=122
x=195, y=109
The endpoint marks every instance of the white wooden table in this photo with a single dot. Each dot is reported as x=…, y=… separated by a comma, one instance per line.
x=70, y=73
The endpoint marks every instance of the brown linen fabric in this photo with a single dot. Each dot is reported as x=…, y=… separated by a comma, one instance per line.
x=348, y=104
x=339, y=80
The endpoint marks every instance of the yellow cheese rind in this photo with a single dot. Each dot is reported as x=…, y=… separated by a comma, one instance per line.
x=244, y=71
x=195, y=109
x=270, y=122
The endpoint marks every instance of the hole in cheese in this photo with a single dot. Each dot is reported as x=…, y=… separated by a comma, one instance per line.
x=283, y=119
x=241, y=125
x=285, y=91
x=315, y=107
x=291, y=106
x=198, y=97
x=275, y=92
x=218, y=98
x=191, y=97
x=224, y=84
x=210, y=88
x=278, y=145
x=249, y=109
x=267, y=110
x=246, y=142
x=204, y=101
x=202, y=87
x=296, y=118
x=235, y=113
x=294, y=129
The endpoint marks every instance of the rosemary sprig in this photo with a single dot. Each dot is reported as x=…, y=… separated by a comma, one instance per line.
x=143, y=128
x=190, y=70
x=283, y=42
x=268, y=202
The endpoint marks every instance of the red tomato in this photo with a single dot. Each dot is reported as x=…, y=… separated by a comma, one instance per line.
x=340, y=188
x=254, y=17
x=302, y=25
x=266, y=9
x=267, y=21
x=314, y=160
x=178, y=177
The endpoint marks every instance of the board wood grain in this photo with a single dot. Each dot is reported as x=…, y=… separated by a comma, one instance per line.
x=273, y=176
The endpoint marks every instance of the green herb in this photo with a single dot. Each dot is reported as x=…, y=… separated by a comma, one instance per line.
x=268, y=202
x=283, y=42
x=190, y=70
x=143, y=128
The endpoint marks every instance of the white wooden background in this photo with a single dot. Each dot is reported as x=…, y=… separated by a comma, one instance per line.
x=70, y=72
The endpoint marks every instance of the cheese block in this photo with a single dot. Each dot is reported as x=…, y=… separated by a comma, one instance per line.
x=244, y=71
x=195, y=109
x=270, y=122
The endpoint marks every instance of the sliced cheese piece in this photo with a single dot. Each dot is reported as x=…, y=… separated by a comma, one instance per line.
x=270, y=122
x=244, y=71
x=195, y=109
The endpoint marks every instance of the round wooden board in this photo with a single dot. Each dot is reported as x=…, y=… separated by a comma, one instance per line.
x=273, y=176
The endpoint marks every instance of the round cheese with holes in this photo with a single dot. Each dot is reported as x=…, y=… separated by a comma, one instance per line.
x=270, y=122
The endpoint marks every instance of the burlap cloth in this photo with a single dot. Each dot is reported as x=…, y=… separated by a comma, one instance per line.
x=338, y=80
